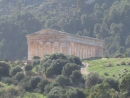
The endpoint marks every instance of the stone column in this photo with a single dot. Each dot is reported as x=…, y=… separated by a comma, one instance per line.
x=44, y=48
x=29, y=51
x=77, y=53
x=37, y=50
x=70, y=51
x=89, y=51
x=52, y=47
x=40, y=49
x=67, y=48
x=101, y=51
x=81, y=51
x=94, y=51
x=75, y=49
x=86, y=51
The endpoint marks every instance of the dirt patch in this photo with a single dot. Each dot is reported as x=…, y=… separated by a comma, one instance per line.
x=83, y=68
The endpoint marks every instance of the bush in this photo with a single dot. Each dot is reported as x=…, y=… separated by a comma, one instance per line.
x=123, y=63
x=69, y=68
x=92, y=79
x=14, y=70
x=113, y=83
x=75, y=93
x=9, y=81
x=36, y=57
x=19, y=76
x=128, y=63
x=106, y=74
x=117, y=64
x=76, y=60
x=109, y=65
x=35, y=62
x=28, y=68
x=4, y=68
x=119, y=56
x=62, y=80
x=25, y=84
x=76, y=77
x=42, y=84
x=34, y=81
x=56, y=92
x=55, y=68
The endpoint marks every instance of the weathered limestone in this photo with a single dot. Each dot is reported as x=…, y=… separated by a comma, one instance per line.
x=50, y=41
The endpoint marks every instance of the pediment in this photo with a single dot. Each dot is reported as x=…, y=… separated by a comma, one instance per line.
x=47, y=32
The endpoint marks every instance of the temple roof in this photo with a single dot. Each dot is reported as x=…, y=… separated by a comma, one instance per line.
x=47, y=32
x=56, y=32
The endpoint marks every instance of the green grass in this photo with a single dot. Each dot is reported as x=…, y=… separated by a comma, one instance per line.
x=100, y=66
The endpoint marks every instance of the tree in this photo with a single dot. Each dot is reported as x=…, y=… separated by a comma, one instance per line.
x=92, y=79
x=36, y=57
x=19, y=76
x=102, y=90
x=41, y=85
x=28, y=67
x=75, y=59
x=4, y=68
x=125, y=85
x=34, y=81
x=75, y=77
x=113, y=83
x=57, y=92
x=14, y=70
x=69, y=68
x=75, y=93
x=62, y=80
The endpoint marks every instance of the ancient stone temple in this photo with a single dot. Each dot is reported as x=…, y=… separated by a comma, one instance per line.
x=50, y=41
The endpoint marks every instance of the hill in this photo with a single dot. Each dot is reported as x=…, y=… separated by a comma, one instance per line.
x=103, y=19
x=114, y=68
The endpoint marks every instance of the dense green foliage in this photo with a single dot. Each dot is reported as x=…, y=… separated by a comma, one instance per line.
x=32, y=80
x=104, y=19
x=4, y=68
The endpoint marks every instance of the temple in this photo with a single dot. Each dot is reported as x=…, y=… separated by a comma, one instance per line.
x=48, y=41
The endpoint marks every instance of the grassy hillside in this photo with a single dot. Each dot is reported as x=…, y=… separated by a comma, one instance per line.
x=110, y=67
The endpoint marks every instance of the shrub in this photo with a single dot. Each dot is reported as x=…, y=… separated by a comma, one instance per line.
x=28, y=68
x=42, y=84
x=128, y=63
x=55, y=68
x=25, y=84
x=76, y=60
x=4, y=68
x=69, y=68
x=34, y=81
x=62, y=80
x=123, y=63
x=19, y=76
x=56, y=92
x=35, y=62
x=92, y=79
x=109, y=65
x=117, y=64
x=76, y=77
x=113, y=83
x=14, y=70
x=106, y=74
x=36, y=57
x=75, y=93
x=9, y=81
